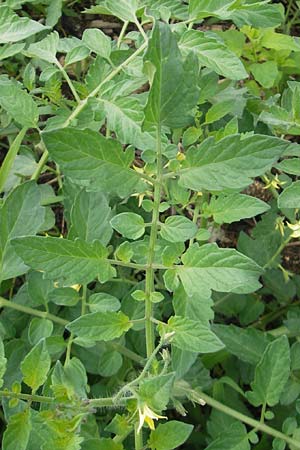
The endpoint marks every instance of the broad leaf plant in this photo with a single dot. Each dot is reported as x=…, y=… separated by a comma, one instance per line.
x=128, y=321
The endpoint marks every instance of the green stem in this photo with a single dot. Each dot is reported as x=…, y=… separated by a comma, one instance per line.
x=126, y=352
x=92, y=94
x=27, y=397
x=33, y=312
x=121, y=35
x=109, y=401
x=69, y=81
x=41, y=163
x=138, y=438
x=141, y=30
x=11, y=156
x=149, y=281
x=196, y=215
x=278, y=251
x=248, y=420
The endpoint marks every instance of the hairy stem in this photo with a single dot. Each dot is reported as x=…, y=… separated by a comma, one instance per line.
x=27, y=397
x=149, y=282
x=33, y=312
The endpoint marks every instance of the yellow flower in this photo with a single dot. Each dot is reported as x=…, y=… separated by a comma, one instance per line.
x=147, y=415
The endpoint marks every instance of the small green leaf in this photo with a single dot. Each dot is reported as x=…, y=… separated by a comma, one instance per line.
x=212, y=53
x=17, y=433
x=271, y=373
x=97, y=42
x=290, y=197
x=45, y=49
x=234, y=438
x=192, y=335
x=18, y=103
x=100, y=326
x=265, y=73
x=103, y=302
x=90, y=215
x=178, y=229
x=124, y=9
x=39, y=329
x=14, y=28
x=36, y=365
x=232, y=208
x=170, y=435
x=156, y=391
x=291, y=166
x=130, y=225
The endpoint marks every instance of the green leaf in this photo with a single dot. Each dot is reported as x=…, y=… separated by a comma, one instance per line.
x=125, y=117
x=192, y=335
x=90, y=217
x=199, y=9
x=129, y=225
x=209, y=268
x=265, y=73
x=39, y=329
x=103, y=302
x=279, y=41
x=100, y=326
x=86, y=156
x=291, y=166
x=20, y=214
x=271, y=373
x=36, y=365
x=124, y=9
x=176, y=432
x=258, y=14
x=76, y=54
x=101, y=444
x=290, y=197
x=3, y=362
x=231, y=162
x=246, y=344
x=14, y=28
x=97, y=42
x=69, y=261
x=232, y=208
x=178, y=229
x=45, y=49
x=18, y=103
x=8, y=50
x=234, y=438
x=69, y=382
x=213, y=54
x=156, y=391
x=16, y=435
x=174, y=91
